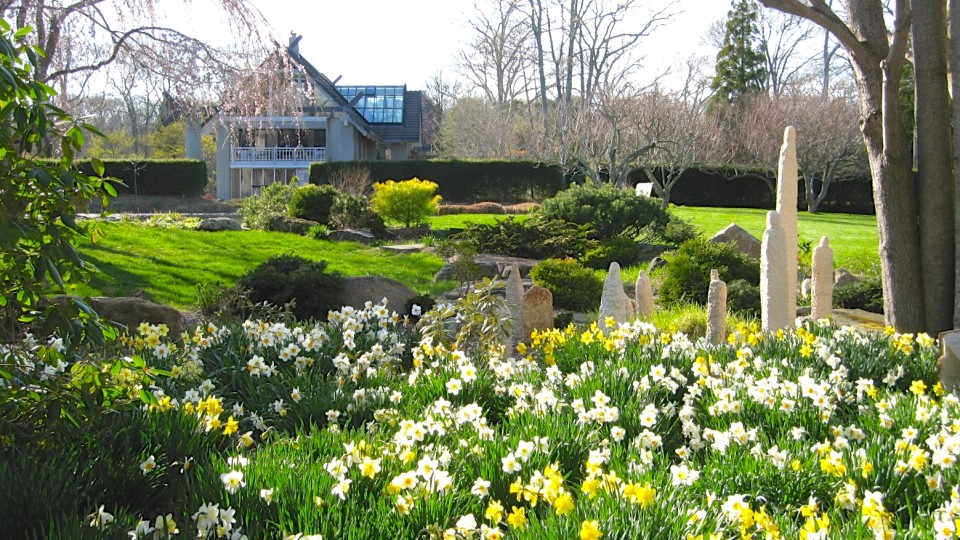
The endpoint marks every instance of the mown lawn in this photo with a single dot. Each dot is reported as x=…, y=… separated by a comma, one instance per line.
x=854, y=238
x=169, y=263
x=460, y=221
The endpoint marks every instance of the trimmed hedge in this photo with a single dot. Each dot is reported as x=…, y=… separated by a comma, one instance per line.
x=178, y=177
x=462, y=181
x=757, y=188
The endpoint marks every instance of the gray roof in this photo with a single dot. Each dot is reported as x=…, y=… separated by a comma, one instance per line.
x=408, y=131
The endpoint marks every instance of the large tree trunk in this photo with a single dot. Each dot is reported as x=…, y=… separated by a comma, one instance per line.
x=935, y=187
x=955, y=110
x=877, y=57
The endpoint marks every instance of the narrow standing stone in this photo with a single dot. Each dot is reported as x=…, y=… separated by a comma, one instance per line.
x=514, y=301
x=773, y=277
x=643, y=291
x=614, y=302
x=787, y=208
x=716, y=309
x=821, y=306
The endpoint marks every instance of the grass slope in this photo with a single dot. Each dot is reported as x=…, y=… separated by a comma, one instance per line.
x=169, y=263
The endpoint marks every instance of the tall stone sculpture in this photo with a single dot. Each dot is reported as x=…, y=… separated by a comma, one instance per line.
x=821, y=306
x=948, y=365
x=643, y=293
x=614, y=302
x=514, y=301
x=716, y=309
x=787, y=208
x=774, y=307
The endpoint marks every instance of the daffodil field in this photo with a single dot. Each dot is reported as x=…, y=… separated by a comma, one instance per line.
x=365, y=427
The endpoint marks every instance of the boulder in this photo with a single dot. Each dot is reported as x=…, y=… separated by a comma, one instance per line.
x=843, y=277
x=219, y=224
x=361, y=236
x=358, y=290
x=743, y=241
x=130, y=311
x=290, y=224
x=537, y=310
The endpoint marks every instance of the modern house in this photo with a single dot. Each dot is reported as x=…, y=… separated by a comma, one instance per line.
x=336, y=123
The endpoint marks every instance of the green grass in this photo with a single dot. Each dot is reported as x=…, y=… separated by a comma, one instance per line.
x=169, y=263
x=854, y=238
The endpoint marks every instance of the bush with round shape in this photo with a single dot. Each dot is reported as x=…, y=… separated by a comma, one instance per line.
x=687, y=275
x=620, y=249
x=408, y=202
x=573, y=287
x=283, y=278
x=312, y=202
x=608, y=210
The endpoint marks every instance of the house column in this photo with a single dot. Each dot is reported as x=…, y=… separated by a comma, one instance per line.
x=224, y=190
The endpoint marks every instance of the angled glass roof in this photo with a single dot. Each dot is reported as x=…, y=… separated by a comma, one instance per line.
x=377, y=104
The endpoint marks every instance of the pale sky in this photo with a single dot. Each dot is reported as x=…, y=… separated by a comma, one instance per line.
x=409, y=41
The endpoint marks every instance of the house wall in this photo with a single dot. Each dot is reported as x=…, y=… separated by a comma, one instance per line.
x=247, y=182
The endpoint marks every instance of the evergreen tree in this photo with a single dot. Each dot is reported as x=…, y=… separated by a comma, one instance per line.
x=741, y=68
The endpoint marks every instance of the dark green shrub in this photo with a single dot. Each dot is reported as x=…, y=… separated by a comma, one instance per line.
x=744, y=297
x=573, y=287
x=353, y=212
x=687, y=275
x=620, y=249
x=172, y=177
x=535, y=238
x=866, y=294
x=678, y=231
x=609, y=210
x=283, y=278
x=562, y=319
x=313, y=203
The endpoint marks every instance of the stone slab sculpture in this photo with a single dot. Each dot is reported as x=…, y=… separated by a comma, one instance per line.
x=743, y=241
x=537, y=310
x=948, y=365
x=614, y=301
x=716, y=309
x=643, y=294
x=774, y=305
x=514, y=300
x=787, y=209
x=821, y=306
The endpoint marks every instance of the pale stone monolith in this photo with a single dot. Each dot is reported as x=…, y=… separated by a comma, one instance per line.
x=774, y=308
x=643, y=293
x=821, y=305
x=716, y=309
x=949, y=362
x=614, y=302
x=787, y=208
x=514, y=301
x=537, y=310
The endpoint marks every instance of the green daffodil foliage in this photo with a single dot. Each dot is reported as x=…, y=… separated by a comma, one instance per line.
x=40, y=195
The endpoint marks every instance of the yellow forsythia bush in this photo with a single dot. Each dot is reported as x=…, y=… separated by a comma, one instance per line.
x=408, y=202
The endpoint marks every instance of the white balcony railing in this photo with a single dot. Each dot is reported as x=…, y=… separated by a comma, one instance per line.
x=247, y=156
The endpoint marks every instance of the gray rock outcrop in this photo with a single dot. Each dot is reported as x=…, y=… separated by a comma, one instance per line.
x=358, y=290
x=745, y=242
x=217, y=224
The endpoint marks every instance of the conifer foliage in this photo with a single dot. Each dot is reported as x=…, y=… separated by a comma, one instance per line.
x=741, y=69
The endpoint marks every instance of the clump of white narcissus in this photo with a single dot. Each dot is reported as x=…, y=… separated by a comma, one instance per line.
x=814, y=432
